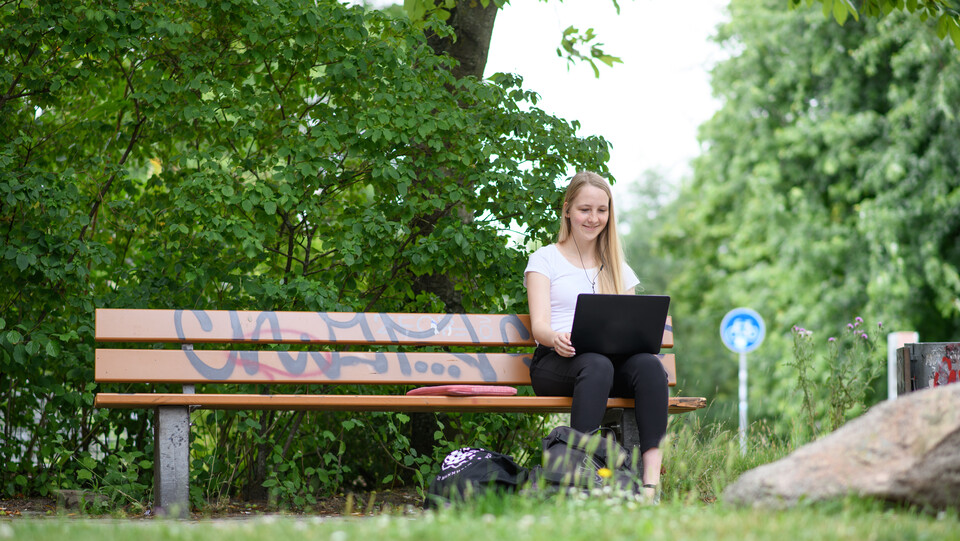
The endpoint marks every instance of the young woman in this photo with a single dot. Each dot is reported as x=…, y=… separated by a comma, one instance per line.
x=587, y=258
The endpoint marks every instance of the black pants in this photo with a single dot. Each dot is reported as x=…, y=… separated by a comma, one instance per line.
x=591, y=378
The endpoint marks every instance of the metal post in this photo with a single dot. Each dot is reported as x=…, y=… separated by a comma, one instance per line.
x=743, y=404
x=171, y=463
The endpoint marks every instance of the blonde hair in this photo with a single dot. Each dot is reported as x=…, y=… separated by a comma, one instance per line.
x=609, y=252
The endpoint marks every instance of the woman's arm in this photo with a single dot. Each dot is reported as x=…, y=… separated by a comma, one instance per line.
x=538, y=297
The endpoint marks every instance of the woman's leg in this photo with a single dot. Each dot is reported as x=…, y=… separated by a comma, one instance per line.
x=587, y=377
x=652, y=462
x=643, y=378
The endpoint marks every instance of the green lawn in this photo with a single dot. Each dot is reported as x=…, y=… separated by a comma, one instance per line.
x=529, y=520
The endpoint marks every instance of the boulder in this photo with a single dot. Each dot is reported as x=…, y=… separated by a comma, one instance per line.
x=905, y=450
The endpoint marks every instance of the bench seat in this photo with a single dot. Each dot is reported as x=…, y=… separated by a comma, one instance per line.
x=404, y=403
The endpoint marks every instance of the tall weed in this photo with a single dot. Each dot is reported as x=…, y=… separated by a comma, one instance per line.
x=835, y=384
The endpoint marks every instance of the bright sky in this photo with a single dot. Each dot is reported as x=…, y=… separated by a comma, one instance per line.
x=648, y=107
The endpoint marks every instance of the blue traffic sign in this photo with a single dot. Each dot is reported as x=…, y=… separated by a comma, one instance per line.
x=742, y=330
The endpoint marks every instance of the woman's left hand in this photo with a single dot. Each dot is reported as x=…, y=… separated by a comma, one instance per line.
x=563, y=346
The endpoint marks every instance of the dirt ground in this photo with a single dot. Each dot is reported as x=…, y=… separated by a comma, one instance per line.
x=397, y=501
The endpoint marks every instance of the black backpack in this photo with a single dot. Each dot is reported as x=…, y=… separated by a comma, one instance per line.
x=588, y=460
x=469, y=472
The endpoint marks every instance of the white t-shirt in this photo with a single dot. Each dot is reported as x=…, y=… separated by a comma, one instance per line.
x=566, y=282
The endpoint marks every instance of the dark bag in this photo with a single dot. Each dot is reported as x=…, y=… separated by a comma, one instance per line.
x=588, y=460
x=468, y=472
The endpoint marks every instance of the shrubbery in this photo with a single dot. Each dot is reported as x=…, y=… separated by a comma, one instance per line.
x=278, y=155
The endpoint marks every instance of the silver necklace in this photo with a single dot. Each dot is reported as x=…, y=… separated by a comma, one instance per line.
x=593, y=283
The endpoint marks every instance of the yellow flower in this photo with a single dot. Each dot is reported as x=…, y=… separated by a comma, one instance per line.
x=605, y=473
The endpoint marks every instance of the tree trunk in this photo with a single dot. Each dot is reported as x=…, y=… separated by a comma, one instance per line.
x=473, y=26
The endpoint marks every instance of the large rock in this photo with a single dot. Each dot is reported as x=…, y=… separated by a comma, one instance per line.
x=906, y=450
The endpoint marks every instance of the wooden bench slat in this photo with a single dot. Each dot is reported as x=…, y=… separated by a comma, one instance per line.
x=114, y=325
x=317, y=367
x=405, y=403
x=203, y=326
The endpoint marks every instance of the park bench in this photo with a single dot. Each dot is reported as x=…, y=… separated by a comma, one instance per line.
x=323, y=354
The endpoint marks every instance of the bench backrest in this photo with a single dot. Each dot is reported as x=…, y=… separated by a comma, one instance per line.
x=324, y=341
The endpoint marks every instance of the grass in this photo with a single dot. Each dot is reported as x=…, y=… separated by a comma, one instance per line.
x=700, y=460
x=515, y=517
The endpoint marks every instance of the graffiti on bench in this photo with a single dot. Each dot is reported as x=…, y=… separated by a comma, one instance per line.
x=382, y=329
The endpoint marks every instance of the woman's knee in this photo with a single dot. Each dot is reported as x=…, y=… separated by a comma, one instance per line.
x=596, y=368
x=646, y=367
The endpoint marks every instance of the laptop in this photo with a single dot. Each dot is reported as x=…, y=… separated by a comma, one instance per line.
x=619, y=324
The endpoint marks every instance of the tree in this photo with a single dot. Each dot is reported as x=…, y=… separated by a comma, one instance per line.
x=470, y=26
x=283, y=155
x=827, y=190
x=945, y=13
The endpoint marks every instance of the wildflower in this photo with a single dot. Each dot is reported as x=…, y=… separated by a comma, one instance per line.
x=879, y=324
x=605, y=473
x=831, y=339
x=864, y=336
x=849, y=325
x=859, y=320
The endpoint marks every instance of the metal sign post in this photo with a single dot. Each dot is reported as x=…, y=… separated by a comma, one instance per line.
x=742, y=331
x=743, y=403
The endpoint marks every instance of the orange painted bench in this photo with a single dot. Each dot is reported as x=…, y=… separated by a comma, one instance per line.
x=215, y=347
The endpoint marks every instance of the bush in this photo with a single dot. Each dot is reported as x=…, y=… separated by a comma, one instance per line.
x=276, y=155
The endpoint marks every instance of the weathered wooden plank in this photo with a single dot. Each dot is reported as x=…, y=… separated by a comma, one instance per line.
x=202, y=326
x=198, y=326
x=517, y=404
x=317, y=367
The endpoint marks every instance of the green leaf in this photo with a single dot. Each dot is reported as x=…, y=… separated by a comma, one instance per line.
x=840, y=11
x=14, y=337
x=84, y=475
x=270, y=207
x=954, y=29
x=942, y=29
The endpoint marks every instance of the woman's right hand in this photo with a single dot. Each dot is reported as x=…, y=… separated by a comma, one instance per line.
x=562, y=345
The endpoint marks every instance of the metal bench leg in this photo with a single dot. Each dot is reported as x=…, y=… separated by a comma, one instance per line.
x=631, y=433
x=171, y=461
x=624, y=424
